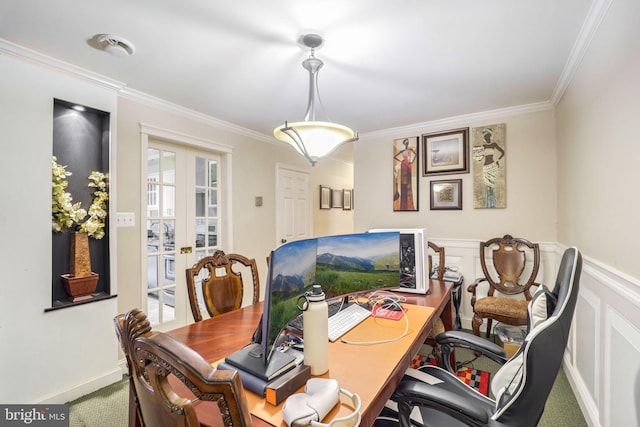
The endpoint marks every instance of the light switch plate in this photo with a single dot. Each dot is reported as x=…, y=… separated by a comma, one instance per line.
x=125, y=219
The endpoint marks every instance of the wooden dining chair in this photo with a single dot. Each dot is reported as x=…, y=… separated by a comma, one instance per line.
x=171, y=385
x=435, y=250
x=219, y=284
x=505, y=264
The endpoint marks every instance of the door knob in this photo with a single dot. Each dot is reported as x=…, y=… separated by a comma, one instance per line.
x=283, y=240
x=186, y=250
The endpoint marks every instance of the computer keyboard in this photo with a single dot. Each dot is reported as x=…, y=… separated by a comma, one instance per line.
x=296, y=325
x=345, y=320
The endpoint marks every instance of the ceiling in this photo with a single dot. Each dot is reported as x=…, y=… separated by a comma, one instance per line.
x=387, y=63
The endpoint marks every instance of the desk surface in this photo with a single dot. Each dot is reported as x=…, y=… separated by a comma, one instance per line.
x=372, y=371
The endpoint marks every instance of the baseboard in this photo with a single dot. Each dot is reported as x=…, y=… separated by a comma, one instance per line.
x=85, y=388
x=587, y=406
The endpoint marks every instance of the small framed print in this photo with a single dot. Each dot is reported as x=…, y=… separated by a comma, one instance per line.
x=347, y=200
x=446, y=194
x=336, y=198
x=325, y=197
x=445, y=152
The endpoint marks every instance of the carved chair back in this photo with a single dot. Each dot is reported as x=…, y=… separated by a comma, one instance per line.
x=220, y=286
x=509, y=259
x=174, y=385
x=439, y=252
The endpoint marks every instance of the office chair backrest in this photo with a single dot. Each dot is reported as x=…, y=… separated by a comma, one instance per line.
x=531, y=372
x=174, y=385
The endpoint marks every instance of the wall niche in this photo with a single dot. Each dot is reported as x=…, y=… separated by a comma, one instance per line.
x=81, y=142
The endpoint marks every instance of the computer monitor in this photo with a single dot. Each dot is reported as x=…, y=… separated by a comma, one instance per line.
x=292, y=269
x=342, y=265
x=412, y=253
x=356, y=263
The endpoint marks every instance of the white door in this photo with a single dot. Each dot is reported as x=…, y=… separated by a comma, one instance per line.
x=182, y=222
x=293, y=208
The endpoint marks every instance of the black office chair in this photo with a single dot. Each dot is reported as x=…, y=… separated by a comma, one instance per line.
x=433, y=396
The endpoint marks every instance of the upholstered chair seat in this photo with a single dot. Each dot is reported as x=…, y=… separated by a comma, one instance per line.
x=505, y=310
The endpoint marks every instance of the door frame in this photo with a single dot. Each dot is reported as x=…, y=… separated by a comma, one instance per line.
x=226, y=156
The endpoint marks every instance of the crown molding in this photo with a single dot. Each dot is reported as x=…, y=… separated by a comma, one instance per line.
x=188, y=113
x=596, y=14
x=37, y=58
x=459, y=121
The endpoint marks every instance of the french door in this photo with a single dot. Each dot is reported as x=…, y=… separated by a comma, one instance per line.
x=182, y=222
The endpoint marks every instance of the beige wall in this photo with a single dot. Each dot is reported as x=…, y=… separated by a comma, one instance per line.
x=253, y=174
x=531, y=183
x=599, y=148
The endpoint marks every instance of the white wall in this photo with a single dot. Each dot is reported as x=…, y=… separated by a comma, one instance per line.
x=58, y=355
x=598, y=176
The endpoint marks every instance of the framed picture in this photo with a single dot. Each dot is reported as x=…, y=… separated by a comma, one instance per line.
x=405, y=174
x=446, y=194
x=490, y=166
x=325, y=197
x=336, y=198
x=445, y=152
x=347, y=200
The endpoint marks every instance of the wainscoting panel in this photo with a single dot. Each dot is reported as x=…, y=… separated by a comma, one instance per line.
x=603, y=358
x=622, y=374
x=586, y=326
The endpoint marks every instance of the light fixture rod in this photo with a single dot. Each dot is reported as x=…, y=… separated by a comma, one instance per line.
x=313, y=65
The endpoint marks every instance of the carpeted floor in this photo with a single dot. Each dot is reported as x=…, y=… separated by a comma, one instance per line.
x=108, y=407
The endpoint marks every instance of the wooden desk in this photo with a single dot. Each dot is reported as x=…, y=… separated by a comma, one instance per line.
x=371, y=371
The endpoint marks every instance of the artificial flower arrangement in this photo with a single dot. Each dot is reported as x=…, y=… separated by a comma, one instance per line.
x=65, y=213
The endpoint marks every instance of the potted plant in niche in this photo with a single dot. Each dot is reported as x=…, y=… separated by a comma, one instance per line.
x=80, y=282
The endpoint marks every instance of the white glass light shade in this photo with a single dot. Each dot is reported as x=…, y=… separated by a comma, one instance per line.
x=314, y=139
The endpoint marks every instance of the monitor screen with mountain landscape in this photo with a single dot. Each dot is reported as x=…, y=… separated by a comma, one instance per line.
x=342, y=264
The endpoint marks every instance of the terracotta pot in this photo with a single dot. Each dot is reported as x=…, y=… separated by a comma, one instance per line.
x=80, y=288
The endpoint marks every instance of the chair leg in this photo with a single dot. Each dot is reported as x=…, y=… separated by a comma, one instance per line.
x=489, y=322
x=476, y=322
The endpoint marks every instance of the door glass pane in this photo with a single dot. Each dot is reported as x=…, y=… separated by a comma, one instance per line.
x=153, y=164
x=152, y=272
x=168, y=200
x=153, y=308
x=213, y=173
x=201, y=172
x=153, y=235
x=169, y=235
x=153, y=200
x=213, y=233
x=169, y=167
x=200, y=233
x=200, y=201
x=213, y=203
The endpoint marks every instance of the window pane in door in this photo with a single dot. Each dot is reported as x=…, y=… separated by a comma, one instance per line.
x=168, y=239
x=153, y=200
x=213, y=203
x=201, y=172
x=213, y=173
x=152, y=272
x=200, y=201
x=153, y=164
x=168, y=167
x=200, y=233
x=168, y=200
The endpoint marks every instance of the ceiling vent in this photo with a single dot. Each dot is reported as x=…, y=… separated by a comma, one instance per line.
x=115, y=45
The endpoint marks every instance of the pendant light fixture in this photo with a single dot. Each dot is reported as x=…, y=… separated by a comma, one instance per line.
x=314, y=139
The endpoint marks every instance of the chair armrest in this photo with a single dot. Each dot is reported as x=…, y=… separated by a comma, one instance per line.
x=472, y=288
x=448, y=340
x=461, y=404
